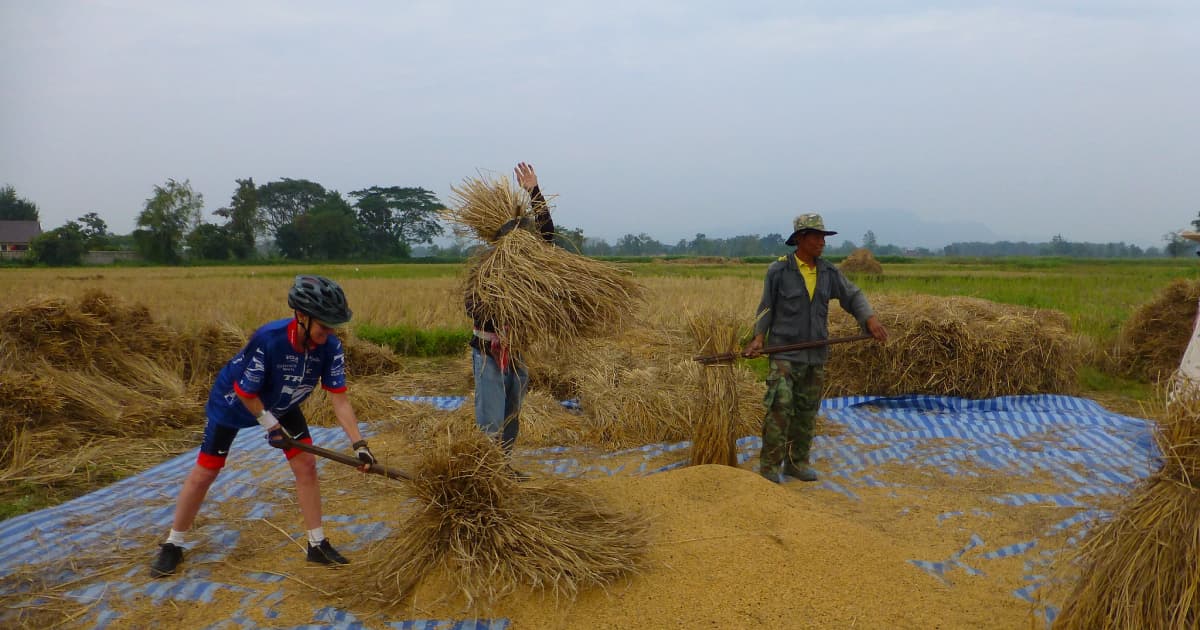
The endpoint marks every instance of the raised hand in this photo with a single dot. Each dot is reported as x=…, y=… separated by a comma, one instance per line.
x=526, y=177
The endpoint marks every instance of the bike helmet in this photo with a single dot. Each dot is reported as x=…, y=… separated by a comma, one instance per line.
x=320, y=298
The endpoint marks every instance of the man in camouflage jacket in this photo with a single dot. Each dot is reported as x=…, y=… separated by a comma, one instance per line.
x=795, y=308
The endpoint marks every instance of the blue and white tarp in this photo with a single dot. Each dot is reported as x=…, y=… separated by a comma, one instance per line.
x=1089, y=452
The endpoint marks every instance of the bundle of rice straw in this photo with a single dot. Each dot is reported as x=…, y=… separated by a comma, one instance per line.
x=482, y=206
x=1141, y=568
x=714, y=436
x=545, y=422
x=366, y=358
x=638, y=345
x=861, y=261
x=80, y=376
x=955, y=346
x=639, y=387
x=371, y=397
x=1153, y=339
x=530, y=290
x=636, y=405
x=488, y=535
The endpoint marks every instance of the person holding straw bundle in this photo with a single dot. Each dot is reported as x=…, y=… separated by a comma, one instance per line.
x=264, y=385
x=501, y=376
x=795, y=308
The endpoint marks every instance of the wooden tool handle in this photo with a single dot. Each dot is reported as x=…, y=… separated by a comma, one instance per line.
x=349, y=460
x=730, y=356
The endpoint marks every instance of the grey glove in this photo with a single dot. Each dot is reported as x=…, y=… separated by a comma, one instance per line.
x=364, y=453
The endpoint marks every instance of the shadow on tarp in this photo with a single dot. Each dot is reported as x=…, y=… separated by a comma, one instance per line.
x=1019, y=434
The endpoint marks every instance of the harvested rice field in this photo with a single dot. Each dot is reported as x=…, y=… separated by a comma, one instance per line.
x=962, y=466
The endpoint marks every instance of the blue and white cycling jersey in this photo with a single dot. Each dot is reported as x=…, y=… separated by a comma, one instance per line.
x=275, y=369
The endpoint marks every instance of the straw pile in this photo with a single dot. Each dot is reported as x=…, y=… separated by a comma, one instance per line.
x=640, y=388
x=365, y=358
x=488, y=535
x=714, y=439
x=545, y=422
x=1152, y=340
x=370, y=397
x=955, y=346
x=861, y=261
x=482, y=206
x=529, y=290
x=1141, y=568
x=79, y=378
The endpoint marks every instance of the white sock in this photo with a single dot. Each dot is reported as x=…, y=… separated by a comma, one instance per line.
x=316, y=535
x=176, y=538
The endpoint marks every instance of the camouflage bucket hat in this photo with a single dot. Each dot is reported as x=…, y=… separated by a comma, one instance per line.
x=807, y=222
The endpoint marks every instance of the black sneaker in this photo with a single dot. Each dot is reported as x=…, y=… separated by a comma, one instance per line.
x=169, y=557
x=324, y=553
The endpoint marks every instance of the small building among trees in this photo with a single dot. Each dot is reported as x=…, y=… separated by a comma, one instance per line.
x=15, y=237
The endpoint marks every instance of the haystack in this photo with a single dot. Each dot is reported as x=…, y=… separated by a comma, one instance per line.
x=545, y=422
x=370, y=396
x=488, y=535
x=531, y=291
x=861, y=261
x=640, y=387
x=955, y=346
x=715, y=433
x=1153, y=339
x=1141, y=568
x=366, y=358
x=639, y=345
x=82, y=376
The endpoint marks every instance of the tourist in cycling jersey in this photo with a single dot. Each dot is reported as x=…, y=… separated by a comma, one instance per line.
x=264, y=385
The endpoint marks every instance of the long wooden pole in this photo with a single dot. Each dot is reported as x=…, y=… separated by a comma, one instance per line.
x=349, y=460
x=730, y=356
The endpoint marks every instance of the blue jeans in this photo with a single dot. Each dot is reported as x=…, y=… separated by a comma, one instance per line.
x=498, y=397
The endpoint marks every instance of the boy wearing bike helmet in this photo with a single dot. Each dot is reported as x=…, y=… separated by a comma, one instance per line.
x=263, y=386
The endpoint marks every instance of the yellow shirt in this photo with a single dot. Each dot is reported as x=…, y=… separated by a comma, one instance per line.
x=810, y=276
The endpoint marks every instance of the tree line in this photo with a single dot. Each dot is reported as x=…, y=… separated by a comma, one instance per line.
x=748, y=246
x=298, y=219
x=294, y=219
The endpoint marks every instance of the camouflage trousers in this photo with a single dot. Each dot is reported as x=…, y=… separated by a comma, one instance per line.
x=793, y=397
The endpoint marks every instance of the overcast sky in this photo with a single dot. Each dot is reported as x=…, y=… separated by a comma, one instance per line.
x=1032, y=118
